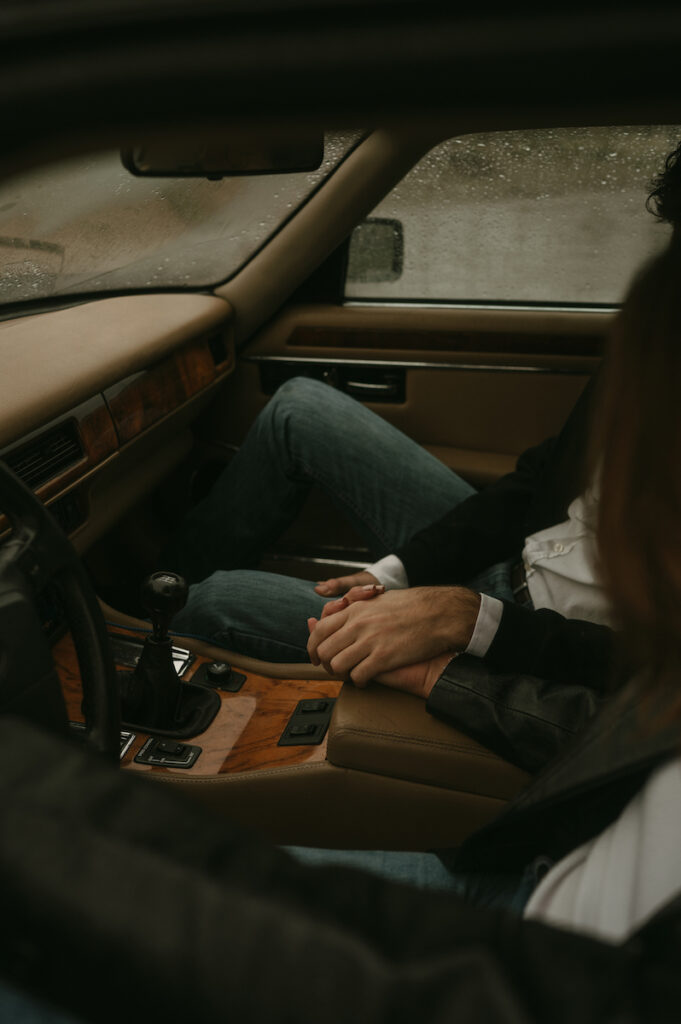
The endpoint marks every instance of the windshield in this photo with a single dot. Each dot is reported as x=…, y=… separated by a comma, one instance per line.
x=88, y=225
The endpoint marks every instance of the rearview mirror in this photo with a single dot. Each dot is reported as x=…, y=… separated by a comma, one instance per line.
x=208, y=155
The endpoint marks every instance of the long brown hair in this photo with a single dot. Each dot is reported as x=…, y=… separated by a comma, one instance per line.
x=638, y=442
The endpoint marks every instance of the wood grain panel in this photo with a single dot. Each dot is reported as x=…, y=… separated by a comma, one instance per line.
x=98, y=434
x=244, y=735
x=141, y=401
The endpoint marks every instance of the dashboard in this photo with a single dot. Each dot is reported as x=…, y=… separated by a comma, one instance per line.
x=96, y=400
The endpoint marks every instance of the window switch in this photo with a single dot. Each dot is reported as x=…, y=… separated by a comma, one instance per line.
x=170, y=747
x=308, y=707
x=302, y=730
x=168, y=753
x=308, y=723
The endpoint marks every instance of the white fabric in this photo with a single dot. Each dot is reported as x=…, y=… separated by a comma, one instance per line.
x=390, y=572
x=486, y=625
x=611, y=885
x=561, y=565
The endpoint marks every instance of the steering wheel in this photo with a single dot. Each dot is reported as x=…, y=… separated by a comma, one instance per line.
x=37, y=555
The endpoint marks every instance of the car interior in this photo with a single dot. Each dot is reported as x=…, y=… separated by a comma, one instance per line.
x=459, y=279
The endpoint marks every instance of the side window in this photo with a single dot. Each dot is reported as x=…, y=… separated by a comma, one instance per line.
x=538, y=216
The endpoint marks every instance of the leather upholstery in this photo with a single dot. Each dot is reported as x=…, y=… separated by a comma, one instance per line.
x=390, y=733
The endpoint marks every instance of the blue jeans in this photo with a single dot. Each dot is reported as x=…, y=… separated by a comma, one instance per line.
x=509, y=891
x=309, y=434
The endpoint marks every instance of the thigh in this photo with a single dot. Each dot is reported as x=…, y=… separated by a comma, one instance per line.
x=388, y=485
x=257, y=613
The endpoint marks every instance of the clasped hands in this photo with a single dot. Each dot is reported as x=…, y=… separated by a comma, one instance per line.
x=403, y=638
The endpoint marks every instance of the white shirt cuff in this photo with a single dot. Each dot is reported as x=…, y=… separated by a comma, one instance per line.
x=390, y=572
x=486, y=625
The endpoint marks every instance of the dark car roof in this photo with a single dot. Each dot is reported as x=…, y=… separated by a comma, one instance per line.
x=126, y=62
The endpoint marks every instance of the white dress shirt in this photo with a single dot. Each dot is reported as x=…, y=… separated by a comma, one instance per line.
x=561, y=566
x=611, y=885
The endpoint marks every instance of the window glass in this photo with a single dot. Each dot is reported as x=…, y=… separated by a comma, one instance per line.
x=554, y=216
x=88, y=225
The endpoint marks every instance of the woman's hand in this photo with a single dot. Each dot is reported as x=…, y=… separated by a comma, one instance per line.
x=341, y=584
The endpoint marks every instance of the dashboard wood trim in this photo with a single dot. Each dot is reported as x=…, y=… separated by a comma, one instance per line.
x=142, y=400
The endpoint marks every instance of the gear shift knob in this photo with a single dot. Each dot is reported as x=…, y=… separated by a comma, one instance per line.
x=163, y=595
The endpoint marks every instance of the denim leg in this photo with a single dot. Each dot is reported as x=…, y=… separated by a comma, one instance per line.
x=309, y=433
x=261, y=614
x=426, y=871
x=495, y=581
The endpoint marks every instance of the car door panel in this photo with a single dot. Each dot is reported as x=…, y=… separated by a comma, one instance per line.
x=475, y=387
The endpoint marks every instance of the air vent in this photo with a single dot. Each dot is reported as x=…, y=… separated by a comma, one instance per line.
x=46, y=456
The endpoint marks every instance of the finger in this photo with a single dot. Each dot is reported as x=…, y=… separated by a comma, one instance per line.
x=329, y=588
x=323, y=630
x=334, y=606
x=340, y=584
x=336, y=653
x=372, y=665
x=360, y=677
x=311, y=623
x=343, y=654
x=364, y=593
x=335, y=586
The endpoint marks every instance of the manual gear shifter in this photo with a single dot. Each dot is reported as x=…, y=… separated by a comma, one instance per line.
x=163, y=595
x=153, y=697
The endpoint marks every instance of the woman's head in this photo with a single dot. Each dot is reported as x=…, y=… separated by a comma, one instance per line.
x=639, y=434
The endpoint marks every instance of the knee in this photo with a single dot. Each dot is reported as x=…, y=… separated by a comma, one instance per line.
x=299, y=403
x=299, y=393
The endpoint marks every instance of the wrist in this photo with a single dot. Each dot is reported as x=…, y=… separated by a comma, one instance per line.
x=436, y=667
x=459, y=618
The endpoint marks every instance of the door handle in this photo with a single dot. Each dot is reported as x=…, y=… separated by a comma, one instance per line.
x=365, y=389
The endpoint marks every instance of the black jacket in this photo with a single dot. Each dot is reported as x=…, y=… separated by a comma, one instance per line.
x=118, y=896
x=491, y=526
x=524, y=719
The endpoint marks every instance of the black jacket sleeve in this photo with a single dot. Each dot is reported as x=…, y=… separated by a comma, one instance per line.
x=524, y=719
x=544, y=643
x=106, y=877
x=486, y=528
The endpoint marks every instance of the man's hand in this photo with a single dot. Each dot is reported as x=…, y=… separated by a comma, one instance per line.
x=418, y=679
x=365, y=638
x=341, y=584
